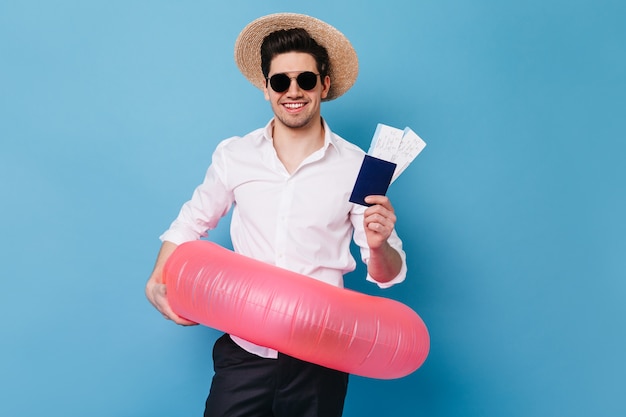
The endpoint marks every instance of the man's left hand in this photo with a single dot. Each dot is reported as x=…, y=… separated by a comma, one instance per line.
x=379, y=220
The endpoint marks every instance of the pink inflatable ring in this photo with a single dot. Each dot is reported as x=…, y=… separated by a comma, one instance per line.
x=294, y=314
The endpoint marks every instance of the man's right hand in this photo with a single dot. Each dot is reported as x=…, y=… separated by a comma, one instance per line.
x=156, y=291
x=157, y=295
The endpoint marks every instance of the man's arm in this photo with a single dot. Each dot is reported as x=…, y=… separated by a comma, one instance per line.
x=156, y=290
x=379, y=221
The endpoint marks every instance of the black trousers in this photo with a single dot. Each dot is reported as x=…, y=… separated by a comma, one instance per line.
x=246, y=385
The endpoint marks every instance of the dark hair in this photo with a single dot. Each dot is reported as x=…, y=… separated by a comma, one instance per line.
x=293, y=40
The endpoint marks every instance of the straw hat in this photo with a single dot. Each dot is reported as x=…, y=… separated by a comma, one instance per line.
x=344, y=64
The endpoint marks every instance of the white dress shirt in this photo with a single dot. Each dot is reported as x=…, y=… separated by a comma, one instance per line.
x=301, y=221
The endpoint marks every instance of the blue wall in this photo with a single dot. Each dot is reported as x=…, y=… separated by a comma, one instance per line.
x=513, y=216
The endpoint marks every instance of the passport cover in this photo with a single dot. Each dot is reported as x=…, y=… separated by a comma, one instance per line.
x=373, y=179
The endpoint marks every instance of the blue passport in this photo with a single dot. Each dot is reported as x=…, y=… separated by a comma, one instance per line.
x=373, y=179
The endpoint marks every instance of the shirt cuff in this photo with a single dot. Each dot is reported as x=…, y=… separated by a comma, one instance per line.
x=177, y=237
x=396, y=280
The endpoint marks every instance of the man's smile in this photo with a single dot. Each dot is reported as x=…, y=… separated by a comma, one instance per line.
x=294, y=106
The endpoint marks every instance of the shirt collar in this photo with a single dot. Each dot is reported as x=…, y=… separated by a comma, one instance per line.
x=329, y=138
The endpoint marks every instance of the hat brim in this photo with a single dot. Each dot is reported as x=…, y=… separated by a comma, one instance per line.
x=344, y=64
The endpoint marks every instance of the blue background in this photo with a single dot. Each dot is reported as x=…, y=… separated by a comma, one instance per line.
x=512, y=217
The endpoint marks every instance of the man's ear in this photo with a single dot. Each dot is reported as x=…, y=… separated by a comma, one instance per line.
x=326, y=86
x=265, y=92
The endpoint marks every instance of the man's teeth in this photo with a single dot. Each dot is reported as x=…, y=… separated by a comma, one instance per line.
x=294, y=105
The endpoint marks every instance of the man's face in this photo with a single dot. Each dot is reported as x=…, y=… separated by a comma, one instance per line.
x=296, y=108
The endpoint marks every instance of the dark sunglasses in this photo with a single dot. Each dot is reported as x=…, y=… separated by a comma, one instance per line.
x=306, y=80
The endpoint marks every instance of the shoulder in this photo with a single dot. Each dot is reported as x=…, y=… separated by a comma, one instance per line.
x=348, y=152
x=236, y=148
x=237, y=143
x=347, y=146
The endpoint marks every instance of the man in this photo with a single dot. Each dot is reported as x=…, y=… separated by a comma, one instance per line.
x=288, y=185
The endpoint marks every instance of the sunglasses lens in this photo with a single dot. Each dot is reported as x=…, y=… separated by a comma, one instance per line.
x=281, y=82
x=307, y=80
